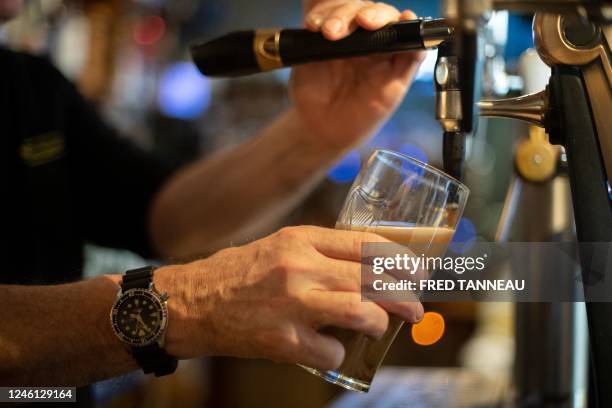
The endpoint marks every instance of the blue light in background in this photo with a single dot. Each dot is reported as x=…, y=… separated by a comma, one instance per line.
x=346, y=169
x=426, y=70
x=521, y=38
x=386, y=137
x=184, y=93
x=283, y=75
x=413, y=151
x=465, y=236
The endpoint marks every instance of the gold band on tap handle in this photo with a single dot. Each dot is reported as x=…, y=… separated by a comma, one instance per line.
x=267, y=49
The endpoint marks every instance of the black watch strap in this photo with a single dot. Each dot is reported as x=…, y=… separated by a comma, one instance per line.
x=154, y=359
x=151, y=358
x=137, y=278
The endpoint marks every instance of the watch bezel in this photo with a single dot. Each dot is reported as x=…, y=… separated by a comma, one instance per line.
x=159, y=299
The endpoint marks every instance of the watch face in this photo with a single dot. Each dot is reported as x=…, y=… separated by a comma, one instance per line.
x=139, y=317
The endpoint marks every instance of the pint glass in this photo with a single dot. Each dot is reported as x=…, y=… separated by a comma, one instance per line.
x=409, y=203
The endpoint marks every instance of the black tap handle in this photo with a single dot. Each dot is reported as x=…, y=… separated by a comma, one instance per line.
x=453, y=153
x=229, y=55
x=248, y=52
x=302, y=46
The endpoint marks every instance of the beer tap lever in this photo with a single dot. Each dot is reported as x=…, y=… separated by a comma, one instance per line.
x=530, y=108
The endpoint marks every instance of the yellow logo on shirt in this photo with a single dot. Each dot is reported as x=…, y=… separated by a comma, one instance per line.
x=42, y=149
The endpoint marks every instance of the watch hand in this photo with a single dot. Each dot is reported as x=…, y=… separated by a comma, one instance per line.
x=142, y=323
x=139, y=321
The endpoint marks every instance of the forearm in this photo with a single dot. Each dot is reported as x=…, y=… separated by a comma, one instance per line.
x=239, y=192
x=60, y=334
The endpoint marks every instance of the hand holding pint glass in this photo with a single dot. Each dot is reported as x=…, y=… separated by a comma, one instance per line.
x=411, y=204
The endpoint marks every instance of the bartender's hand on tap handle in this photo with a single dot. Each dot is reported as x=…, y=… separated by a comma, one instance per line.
x=268, y=299
x=343, y=102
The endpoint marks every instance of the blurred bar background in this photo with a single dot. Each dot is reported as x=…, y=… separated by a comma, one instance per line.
x=131, y=59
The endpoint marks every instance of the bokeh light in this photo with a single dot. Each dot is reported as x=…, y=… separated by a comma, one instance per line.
x=183, y=92
x=465, y=236
x=386, y=137
x=429, y=330
x=149, y=30
x=414, y=151
x=346, y=169
x=425, y=72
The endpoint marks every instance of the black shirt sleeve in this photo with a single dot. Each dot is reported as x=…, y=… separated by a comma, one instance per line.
x=113, y=181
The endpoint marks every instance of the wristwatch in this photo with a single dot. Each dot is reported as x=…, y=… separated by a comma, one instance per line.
x=139, y=318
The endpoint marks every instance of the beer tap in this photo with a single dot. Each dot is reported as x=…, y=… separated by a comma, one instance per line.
x=574, y=109
x=448, y=107
x=573, y=37
x=248, y=52
x=456, y=79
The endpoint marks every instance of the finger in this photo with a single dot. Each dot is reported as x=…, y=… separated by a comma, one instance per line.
x=320, y=351
x=341, y=21
x=347, y=311
x=315, y=16
x=340, y=244
x=376, y=16
x=313, y=22
x=408, y=15
x=324, y=7
x=411, y=312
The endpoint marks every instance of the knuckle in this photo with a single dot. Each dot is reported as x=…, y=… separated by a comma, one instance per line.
x=319, y=8
x=367, y=6
x=326, y=356
x=344, y=10
x=353, y=311
x=288, y=233
x=291, y=339
x=285, y=231
x=280, y=344
x=382, y=322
